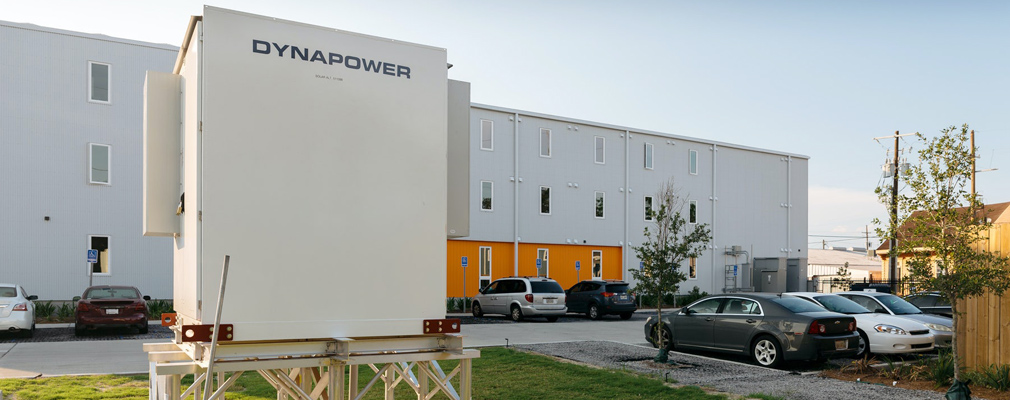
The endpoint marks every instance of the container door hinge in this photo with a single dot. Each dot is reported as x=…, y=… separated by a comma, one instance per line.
x=200, y=127
x=199, y=215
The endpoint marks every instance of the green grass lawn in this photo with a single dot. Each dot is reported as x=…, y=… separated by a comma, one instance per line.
x=499, y=374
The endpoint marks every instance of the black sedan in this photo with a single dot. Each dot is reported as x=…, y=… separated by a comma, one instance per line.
x=768, y=327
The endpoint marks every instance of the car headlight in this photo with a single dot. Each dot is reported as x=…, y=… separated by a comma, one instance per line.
x=938, y=327
x=890, y=329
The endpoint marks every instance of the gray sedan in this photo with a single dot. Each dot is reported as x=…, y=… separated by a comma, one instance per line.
x=768, y=327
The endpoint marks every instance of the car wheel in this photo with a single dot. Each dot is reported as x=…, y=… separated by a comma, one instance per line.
x=864, y=345
x=667, y=337
x=143, y=329
x=78, y=330
x=594, y=312
x=516, y=314
x=28, y=333
x=626, y=315
x=552, y=319
x=767, y=352
x=476, y=310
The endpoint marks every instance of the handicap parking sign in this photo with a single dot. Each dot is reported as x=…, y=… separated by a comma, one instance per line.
x=577, y=265
x=464, y=261
x=92, y=256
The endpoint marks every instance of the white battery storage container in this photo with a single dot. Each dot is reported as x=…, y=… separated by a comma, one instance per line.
x=316, y=159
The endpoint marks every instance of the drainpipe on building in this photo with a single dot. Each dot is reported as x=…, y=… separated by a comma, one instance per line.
x=515, y=211
x=627, y=199
x=715, y=198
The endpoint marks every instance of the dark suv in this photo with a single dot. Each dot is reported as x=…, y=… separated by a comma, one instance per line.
x=598, y=298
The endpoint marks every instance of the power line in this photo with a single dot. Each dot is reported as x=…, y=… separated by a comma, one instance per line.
x=828, y=235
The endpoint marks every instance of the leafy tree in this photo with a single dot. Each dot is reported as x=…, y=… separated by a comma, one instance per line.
x=672, y=242
x=844, y=279
x=943, y=226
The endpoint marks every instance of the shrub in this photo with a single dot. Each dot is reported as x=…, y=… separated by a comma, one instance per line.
x=861, y=365
x=457, y=304
x=65, y=311
x=157, y=307
x=649, y=300
x=993, y=376
x=44, y=310
x=940, y=370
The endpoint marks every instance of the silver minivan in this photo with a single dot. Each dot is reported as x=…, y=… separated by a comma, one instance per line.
x=521, y=297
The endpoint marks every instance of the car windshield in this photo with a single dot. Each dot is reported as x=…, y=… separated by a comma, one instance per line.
x=898, y=306
x=547, y=287
x=112, y=293
x=841, y=305
x=617, y=288
x=797, y=305
x=7, y=291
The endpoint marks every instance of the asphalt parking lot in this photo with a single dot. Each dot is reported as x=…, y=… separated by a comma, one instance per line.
x=66, y=334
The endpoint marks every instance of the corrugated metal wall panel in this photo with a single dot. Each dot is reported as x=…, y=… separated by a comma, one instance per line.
x=47, y=123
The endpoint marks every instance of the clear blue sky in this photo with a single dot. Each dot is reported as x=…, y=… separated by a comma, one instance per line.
x=817, y=78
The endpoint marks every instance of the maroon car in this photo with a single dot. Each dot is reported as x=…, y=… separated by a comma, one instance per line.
x=111, y=306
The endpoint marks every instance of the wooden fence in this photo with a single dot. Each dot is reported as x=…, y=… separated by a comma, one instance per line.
x=984, y=327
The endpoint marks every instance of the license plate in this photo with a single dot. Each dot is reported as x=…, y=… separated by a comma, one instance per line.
x=841, y=344
x=550, y=301
x=622, y=297
x=111, y=311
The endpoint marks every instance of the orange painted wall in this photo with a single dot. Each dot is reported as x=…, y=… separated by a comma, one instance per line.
x=561, y=263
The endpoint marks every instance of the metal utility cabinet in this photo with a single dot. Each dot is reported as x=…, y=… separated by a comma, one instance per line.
x=316, y=159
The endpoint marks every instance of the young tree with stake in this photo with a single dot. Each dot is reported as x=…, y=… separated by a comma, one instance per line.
x=944, y=227
x=671, y=242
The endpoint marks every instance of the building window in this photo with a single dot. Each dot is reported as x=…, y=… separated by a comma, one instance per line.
x=597, y=264
x=693, y=162
x=692, y=216
x=545, y=142
x=486, y=195
x=649, y=211
x=542, y=256
x=545, y=200
x=99, y=156
x=692, y=268
x=101, y=244
x=601, y=150
x=486, y=135
x=485, y=266
x=648, y=156
x=99, y=75
x=599, y=204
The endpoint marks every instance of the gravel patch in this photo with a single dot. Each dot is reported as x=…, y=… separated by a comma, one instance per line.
x=737, y=378
x=66, y=334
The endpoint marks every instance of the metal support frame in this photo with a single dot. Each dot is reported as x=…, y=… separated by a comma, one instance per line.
x=315, y=369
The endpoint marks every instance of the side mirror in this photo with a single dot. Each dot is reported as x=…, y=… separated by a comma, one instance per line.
x=147, y=298
x=33, y=297
x=76, y=298
x=685, y=311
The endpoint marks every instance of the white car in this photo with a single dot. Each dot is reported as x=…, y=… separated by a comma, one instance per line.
x=878, y=333
x=17, y=312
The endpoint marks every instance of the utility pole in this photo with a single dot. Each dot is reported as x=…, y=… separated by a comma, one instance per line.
x=892, y=258
x=973, y=164
x=892, y=253
x=868, y=239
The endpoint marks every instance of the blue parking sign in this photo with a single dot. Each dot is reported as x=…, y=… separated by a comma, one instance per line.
x=92, y=256
x=577, y=266
x=538, y=263
x=464, y=261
